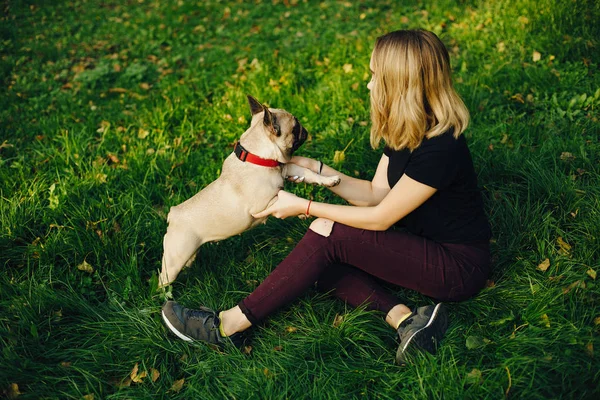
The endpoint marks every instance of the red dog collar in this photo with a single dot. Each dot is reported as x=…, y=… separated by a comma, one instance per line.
x=246, y=156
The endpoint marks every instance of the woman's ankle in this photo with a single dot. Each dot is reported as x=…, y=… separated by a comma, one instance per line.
x=397, y=314
x=233, y=321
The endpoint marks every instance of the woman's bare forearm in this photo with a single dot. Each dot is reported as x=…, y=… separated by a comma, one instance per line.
x=358, y=192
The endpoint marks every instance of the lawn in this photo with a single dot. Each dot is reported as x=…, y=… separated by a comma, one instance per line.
x=113, y=111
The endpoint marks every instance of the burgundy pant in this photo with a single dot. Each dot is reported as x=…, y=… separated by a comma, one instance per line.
x=350, y=262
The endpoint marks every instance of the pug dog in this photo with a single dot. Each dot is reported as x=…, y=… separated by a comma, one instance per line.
x=251, y=177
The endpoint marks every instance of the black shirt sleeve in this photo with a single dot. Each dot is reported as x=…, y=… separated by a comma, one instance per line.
x=434, y=163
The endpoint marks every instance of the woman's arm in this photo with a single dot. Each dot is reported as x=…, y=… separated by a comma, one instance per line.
x=402, y=199
x=358, y=192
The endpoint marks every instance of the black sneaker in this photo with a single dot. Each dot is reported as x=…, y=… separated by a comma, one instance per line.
x=423, y=330
x=202, y=325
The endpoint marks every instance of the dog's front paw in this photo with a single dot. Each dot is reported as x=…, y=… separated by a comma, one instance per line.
x=331, y=181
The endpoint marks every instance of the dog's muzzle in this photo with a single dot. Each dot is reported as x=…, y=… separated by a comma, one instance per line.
x=299, y=134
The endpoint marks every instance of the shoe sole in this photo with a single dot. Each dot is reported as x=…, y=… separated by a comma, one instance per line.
x=175, y=331
x=421, y=336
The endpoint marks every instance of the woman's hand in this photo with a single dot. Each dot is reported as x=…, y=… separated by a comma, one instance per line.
x=286, y=205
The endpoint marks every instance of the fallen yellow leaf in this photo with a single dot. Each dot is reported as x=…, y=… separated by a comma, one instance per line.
x=566, y=156
x=13, y=391
x=574, y=285
x=143, y=133
x=597, y=320
x=347, y=68
x=117, y=90
x=544, y=265
x=267, y=373
x=139, y=377
x=518, y=97
x=154, y=374
x=134, y=371
x=589, y=349
x=113, y=158
x=536, y=56
x=546, y=320
x=474, y=377
x=89, y=396
x=337, y=321
x=339, y=156
x=122, y=383
x=85, y=267
x=591, y=273
x=565, y=247
x=177, y=386
x=134, y=376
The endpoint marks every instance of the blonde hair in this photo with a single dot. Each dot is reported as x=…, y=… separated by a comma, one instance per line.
x=412, y=95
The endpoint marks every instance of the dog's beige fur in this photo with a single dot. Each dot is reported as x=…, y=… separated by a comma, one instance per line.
x=224, y=208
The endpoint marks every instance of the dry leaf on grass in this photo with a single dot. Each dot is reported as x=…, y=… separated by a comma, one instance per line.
x=566, y=156
x=154, y=374
x=591, y=273
x=543, y=266
x=475, y=342
x=574, y=285
x=85, y=267
x=474, y=377
x=143, y=133
x=337, y=321
x=589, y=349
x=564, y=247
x=135, y=376
x=545, y=320
x=113, y=158
x=177, y=385
x=12, y=392
x=339, y=156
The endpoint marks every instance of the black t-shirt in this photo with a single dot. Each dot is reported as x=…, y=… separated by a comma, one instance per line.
x=454, y=214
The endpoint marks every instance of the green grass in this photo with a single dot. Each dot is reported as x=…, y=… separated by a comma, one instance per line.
x=111, y=112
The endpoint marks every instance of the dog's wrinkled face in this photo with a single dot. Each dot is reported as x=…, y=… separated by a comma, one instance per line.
x=285, y=129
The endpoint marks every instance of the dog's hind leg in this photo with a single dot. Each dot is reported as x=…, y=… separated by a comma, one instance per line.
x=179, y=250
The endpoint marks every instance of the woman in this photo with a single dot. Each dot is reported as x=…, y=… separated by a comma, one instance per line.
x=425, y=183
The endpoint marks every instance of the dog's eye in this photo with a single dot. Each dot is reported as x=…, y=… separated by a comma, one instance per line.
x=277, y=129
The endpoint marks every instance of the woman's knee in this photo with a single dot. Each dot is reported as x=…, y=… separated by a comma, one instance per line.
x=322, y=226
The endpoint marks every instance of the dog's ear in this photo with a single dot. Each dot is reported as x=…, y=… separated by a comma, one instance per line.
x=268, y=118
x=255, y=106
x=271, y=123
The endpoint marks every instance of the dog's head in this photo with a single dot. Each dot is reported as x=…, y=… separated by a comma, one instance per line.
x=282, y=128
